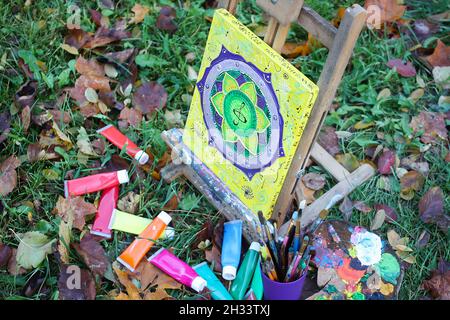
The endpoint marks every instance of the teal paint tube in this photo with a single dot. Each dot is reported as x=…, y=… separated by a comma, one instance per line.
x=245, y=272
x=218, y=290
x=231, y=248
x=257, y=284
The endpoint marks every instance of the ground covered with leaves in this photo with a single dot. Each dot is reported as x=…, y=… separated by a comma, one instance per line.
x=69, y=68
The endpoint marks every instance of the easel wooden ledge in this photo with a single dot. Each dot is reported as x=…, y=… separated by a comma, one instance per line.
x=340, y=43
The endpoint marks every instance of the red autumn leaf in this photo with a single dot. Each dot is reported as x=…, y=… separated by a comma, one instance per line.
x=76, y=208
x=440, y=56
x=93, y=254
x=439, y=283
x=89, y=68
x=5, y=125
x=119, y=56
x=5, y=254
x=130, y=117
x=8, y=175
x=386, y=162
x=431, y=208
x=172, y=204
x=149, y=97
x=329, y=140
x=390, y=10
x=391, y=215
x=77, y=38
x=26, y=95
x=104, y=35
x=433, y=126
x=405, y=69
x=96, y=17
x=76, y=284
x=314, y=181
x=166, y=19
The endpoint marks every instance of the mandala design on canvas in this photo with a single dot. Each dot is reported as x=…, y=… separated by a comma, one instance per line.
x=241, y=113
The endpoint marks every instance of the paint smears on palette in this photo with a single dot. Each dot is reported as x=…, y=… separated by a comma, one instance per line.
x=354, y=264
x=248, y=112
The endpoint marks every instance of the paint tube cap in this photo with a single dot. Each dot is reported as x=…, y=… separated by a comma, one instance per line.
x=122, y=176
x=255, y=246
x=198, y=284
x=229, y=272
x=169, y=233
x=164, y=216
x=142, y=157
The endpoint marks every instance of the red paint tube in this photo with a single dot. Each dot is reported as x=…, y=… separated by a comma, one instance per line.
x=106, y=206
x=118, y=139
x=177, y=269
x=93, y=183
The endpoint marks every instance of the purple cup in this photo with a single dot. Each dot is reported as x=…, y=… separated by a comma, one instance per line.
x=274, y=290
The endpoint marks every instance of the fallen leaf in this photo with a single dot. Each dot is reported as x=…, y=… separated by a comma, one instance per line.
x=129, y=203
x=361, y=206
x=69, y=49
x=391, y=215
x=348, y=160
x=76, y=208
x=76, y=38
x=150, y=276
x=384, y=94
x=158, y=294
x=411, y=181
x=5, y=125
x=423, y=239
x=405, y=69
x=172, y=204
x=431, y=208
x=213, y=256
x=305, y=193
x=33, y=248
x=76, y=284
x=329, y=140
x=104, y=35
x=424, y=29
x=441, y=76
x=386, y=162
x=439, y=283
x=93, y=254
x=34, y=283
x=140, y=12
x=26, y=95
x=130, y=287
x=84, y=144
x=36, y=153
x=346, y=207
x=378, y=220
x=314, y=181
x=433, y=126
x=173, y=118
x=416, y=95
x=149, y=97
x=130, y=117
x=166, y=19
x=390, y=10
x=440, y=56
x=5, y=254
x=8, y=175
x=13, y=268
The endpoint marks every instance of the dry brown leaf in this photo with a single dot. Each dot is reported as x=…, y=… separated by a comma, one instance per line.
x=140, y=12
x=76, y=208
x=440, y=56
x=8, y=175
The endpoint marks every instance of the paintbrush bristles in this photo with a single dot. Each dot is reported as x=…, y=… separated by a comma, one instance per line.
x=302, y=205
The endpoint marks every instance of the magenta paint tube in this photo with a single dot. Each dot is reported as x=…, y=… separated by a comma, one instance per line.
x=106, y=206
x=177, y=269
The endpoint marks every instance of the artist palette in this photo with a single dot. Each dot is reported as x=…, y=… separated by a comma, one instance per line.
x=354, y=263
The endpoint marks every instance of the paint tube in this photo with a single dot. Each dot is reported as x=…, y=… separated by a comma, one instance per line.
x=131, y=257
x=118, y=139
x=257, y=284
x=130, y=223
x=245, y=272
x=93, y=183
x=106, y=206
x=177, y=269
x=231, y=248
x=218, y=290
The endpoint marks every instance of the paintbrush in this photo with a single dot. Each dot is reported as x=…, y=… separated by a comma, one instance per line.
x=270, y=241
x=287, y=241
x=298, y=227
x=324, y=213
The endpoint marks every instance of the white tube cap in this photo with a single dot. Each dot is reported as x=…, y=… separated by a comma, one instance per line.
x=198, y=284
x=229, y=273
x=169, y=233
x=142, y=157
x=164, y=216
x=255, y=246
x=122, y=176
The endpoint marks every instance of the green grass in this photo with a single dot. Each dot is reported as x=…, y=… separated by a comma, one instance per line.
x=367, y=75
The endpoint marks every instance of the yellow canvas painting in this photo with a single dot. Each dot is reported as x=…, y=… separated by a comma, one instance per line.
x=248, y=112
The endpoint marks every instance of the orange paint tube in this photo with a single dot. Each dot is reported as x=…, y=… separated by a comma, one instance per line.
x=131, y=257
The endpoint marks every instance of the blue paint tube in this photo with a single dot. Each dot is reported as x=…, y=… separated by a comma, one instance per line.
x=218, y=290
x=231, y=248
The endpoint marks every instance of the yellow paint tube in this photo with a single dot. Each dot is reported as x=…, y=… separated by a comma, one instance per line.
x=130, y=223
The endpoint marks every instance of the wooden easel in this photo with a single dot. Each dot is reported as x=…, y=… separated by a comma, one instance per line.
x=340, y=43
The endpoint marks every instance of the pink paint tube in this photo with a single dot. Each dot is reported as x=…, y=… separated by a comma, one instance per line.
x=106, y=206
x=177, y=269
x=96, y=182
x=118, y=139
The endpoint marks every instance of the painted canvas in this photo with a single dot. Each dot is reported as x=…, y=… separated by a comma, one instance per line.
x=248, y=112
